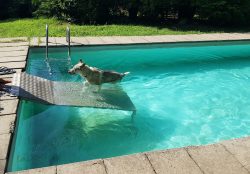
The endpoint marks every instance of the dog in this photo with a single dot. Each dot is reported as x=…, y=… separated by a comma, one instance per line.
x=95, y=76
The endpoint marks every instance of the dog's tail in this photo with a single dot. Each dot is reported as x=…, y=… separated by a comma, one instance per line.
x=126, y=73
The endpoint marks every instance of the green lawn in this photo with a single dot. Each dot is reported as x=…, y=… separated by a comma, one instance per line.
x=36, y=27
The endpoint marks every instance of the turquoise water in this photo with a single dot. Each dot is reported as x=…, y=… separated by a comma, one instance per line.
x=185, y=94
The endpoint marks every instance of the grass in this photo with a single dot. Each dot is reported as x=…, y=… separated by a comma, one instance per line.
x=36, y=28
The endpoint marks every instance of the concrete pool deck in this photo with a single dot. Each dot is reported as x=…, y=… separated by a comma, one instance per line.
x=232, y=156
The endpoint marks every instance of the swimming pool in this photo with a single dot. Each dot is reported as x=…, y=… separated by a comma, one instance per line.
x=185, y=94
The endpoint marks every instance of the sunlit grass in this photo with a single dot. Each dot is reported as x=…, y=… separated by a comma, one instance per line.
x=36, y=28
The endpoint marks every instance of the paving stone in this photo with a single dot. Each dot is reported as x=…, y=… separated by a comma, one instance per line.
x=13, y=53
x=123, y=39
x=157, y=38
x=61, y=41
x=132, y=164
x=240, y=148
x=243, y=35
x=139, y=39
x=110, y=40
x=4, y=140
x=215, y=159
x=183, y=38
x=7, y=123
x=6, y=96
x=168, y=38
x=13, y=59
x=13, y=39
x=18, y=65
x=91, y=167
x=153, y=39
x=95, y=40
x=36, y=41
x=79, y=41
x=10, y=75
x=10, y=49
x=2, y=166
x=173, y=161
x=8, y=107
x=190, y=38
x=14, y=44
x=42, y=42
x=44, y=170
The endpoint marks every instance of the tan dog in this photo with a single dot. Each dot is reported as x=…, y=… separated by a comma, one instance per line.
x=96, y=76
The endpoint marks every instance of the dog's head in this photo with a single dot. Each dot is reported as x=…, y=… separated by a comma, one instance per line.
x=77, y=68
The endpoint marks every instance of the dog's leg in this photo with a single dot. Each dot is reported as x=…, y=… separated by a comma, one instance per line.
x=100, y=81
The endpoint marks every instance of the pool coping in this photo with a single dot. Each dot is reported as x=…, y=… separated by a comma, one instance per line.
x=231, y=156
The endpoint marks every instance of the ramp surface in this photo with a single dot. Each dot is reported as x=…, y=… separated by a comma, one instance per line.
x=45, y=91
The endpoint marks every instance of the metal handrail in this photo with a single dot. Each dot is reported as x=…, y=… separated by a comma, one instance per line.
x=47, y=47
x=68, y=40
x=47, y=41
x=47, y=50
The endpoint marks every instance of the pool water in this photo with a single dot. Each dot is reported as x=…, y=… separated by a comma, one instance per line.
x=185, y=94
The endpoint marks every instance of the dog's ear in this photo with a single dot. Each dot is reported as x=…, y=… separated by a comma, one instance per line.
x=83, y=64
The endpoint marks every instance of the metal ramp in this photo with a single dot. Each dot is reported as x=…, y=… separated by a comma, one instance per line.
x=45, y=91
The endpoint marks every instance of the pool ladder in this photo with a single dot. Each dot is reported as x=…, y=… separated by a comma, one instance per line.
x=47, y=47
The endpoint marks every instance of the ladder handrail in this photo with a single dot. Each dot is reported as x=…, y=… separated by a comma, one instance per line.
x=47, y=41
x=47, y=47
x=68, y=40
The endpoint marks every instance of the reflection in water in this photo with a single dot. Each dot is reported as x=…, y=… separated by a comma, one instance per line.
x=56, y=135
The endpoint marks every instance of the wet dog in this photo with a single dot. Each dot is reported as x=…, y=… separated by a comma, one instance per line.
x=95, y=76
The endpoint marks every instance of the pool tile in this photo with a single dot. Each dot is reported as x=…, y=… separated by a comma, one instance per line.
x=5, y=140
x=91, y=167
x=215, y=159
x=44, y=170
x=131, y=164
x=240, y=149
x=173, y=161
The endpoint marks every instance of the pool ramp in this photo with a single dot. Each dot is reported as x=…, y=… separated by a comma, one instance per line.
x=45, y=91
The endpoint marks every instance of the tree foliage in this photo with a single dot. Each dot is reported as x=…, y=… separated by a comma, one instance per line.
x=214, y=12
x=15, y=8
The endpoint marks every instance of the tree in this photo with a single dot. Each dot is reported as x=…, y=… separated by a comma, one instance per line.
x=155, y=9
x=225, y=12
